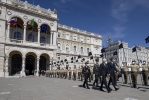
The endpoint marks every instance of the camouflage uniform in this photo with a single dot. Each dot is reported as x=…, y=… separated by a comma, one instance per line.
x=74, y=73
x=91, y=75
x=134, y=73
x=145, y=70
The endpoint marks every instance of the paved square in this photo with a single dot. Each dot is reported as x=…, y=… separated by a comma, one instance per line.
x=44, y=88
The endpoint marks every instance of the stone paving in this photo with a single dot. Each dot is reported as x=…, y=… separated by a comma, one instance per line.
x=43, y=88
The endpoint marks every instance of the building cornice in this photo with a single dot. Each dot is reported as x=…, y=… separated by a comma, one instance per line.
x=28, y=46
x=38, y=12
x=81, y=32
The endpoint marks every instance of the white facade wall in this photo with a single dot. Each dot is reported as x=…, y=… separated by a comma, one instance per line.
x=25, y=12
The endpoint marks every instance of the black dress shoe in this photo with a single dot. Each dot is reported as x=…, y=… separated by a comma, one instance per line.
x=116, y=89
x=109, y=91
x=84, y=86
x=88, y=88
x=101, y=90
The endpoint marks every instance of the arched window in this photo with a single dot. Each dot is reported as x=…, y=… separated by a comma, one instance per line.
x=59, y=46
x=31, y=37
x=17, y=35
x=59, y=35
x=75, y=38
x=87, y=50
x=75, y=48
x=67, y=47
x=81, y=49
x=42, y=39
x=67, y=36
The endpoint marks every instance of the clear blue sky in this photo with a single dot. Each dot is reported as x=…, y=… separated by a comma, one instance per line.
x=121, y=19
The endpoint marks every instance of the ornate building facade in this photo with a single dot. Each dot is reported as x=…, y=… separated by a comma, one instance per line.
x=26, y=47
x=126, y=54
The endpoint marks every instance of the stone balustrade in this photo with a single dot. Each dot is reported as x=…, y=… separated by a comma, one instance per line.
x=77, y=30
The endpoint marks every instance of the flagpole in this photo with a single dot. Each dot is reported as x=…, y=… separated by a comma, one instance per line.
x=124, y=53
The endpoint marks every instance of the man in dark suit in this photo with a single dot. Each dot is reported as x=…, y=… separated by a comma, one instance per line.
x=86, y=73
x=111, y=70
x=103, y=73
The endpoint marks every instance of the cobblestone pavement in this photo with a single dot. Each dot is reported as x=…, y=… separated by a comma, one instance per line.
x=43, y=88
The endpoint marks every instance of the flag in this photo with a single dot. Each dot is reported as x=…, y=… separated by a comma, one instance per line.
x=115, y=53
x=61, y=60
x=31, y=23
x=54, y=62
x=134, y=49
x=44, y=27
x=76, y=60
x=57, y=61
x=121, y=46
x=90, y=53
x=71, y=61
x=101, y=55
x=147, y=39
x=13, y=21
x=91, y=57
x=140, y=61
x=72, y=58
x=79, y=56
x=65, y=60
x=83, y=59
x=103, y=50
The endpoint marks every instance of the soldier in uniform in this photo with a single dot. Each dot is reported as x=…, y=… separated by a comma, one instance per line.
x=115, y=74
x=125, y=72
x=66, y=71
x=145, y=71
x=134, y=72
x=58, y=73
x=96, y=72
x=55, y=73
x=70, y=73
x=79, y=73
x=74, y=73
x=91, y=75
x=86, y=73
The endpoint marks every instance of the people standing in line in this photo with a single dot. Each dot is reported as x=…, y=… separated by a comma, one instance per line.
x=145, y=72
x=134, y=73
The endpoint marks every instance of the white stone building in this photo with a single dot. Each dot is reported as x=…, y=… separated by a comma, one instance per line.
x=23, y=47
x=126, y=54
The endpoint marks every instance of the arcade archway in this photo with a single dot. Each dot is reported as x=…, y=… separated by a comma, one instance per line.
x=30, y=65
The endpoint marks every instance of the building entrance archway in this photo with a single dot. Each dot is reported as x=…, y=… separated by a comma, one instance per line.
x=30, y=65
x=16, y=64
x=42, y=63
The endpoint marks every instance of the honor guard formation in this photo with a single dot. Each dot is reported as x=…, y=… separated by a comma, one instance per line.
x=106, y=73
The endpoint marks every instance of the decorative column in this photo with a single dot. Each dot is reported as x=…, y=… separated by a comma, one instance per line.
x=37, y=73
x=8, y=31
x=51, y=38
x=54, y=38
x=6, y=66
x=24, y=35
x=23, y=66
x=39, y=35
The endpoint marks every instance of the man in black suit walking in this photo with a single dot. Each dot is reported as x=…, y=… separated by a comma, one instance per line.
x=111, y=70
x=86, y=72
x=103, y=73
